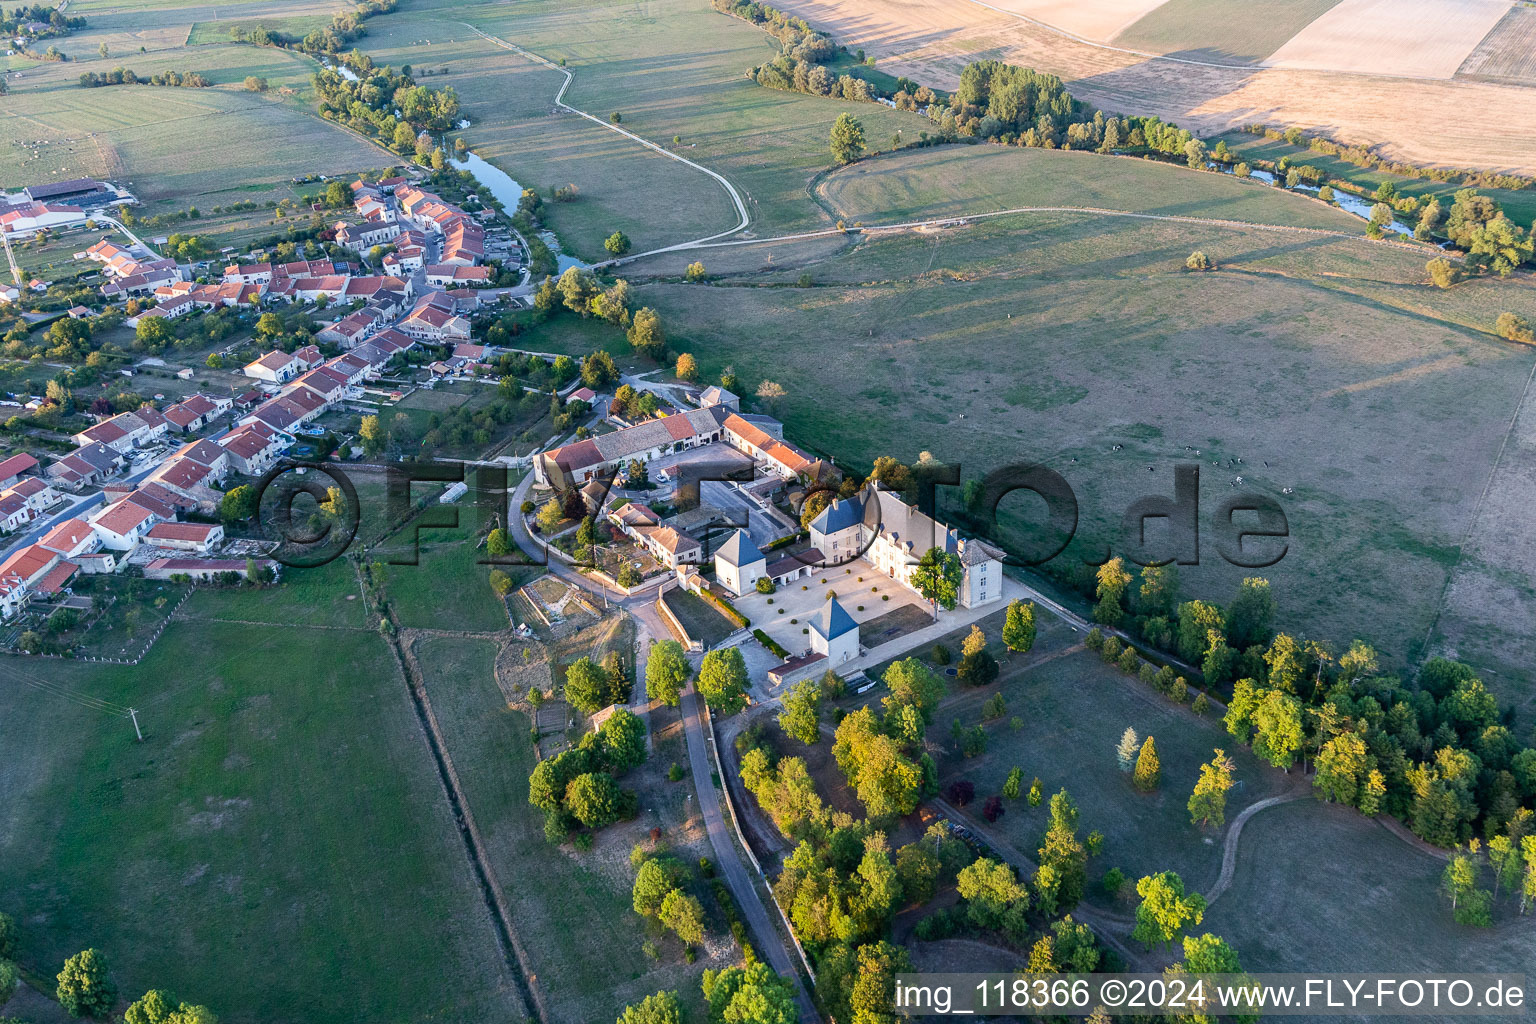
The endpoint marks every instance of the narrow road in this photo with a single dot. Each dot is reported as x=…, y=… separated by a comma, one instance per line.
x=728, y=857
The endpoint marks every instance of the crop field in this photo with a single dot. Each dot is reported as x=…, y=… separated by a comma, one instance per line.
x=1325, y=365
x=1458, y=123
x=1508, y=52
x=1222, y=31
x=1361, y=884
x=572, y=911
x=1101, y=20
x=1425, y=39
x=675, y=71
x=944, y=181
x=246, y=830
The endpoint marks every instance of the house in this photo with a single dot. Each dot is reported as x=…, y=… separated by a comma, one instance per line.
x=127, y=430
x=249, y=273
x=201, y=569
x=445, y=275
x=834, y=634
x=14, y=512
x=27, y=218
x=123, y=524
x=37, y=570
x=198, y=537
x=668, y=545
x=430, y=322
x=309, y=356
x=361, y=237
x=352, y=328
x=739, y=564
x=168, y=308
x=86, y=465
x=254, y=448
x=330, y=385
x=192, y=469
x=771, y=454
x=71, y=538
x=575, y=464
x=12, y=469
x=894, y=536
x=196, y=412
x=276, y=367
x=36, y=493
x=716, y=395
x=582, y=394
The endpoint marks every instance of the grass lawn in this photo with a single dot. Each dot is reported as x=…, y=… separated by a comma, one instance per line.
x=238, y=856
x=573, y=912
x=946, y=181
x=327, y=595
x=698, y=617
x=448, y=589
x=1318, y=887
x=1074, y=710
x=1327, y=366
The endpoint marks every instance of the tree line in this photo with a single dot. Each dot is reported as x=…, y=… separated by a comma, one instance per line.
x=369, y=105
x=126, y=76
x=1365, y=156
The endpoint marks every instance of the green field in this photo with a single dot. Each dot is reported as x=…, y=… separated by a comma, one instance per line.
x=572, y=911
x=222, y=31
x=1326, y=365
x=1224, y=31
x=155, y=140
x=238, y=856
x=950, y=181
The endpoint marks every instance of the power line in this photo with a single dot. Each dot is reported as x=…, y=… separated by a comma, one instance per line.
x=83, y=699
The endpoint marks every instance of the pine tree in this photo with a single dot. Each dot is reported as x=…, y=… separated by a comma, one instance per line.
x=1014, y=784
x=1125, y=751
x=1149, y=772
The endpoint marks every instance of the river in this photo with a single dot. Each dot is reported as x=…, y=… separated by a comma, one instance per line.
x=1346, y=201
x=506, y=189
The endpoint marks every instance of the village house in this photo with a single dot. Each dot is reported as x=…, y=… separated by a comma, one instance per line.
x=127, y=430
x=446, y=275
x=276, y=367
x=196, y=412
x=35, y=492
x=86, y=465
x=14, y=468
x=739, y=564
x=71, y=538
x=254, y=447
x=200, y=538
x=122, y=524
x=430, y=322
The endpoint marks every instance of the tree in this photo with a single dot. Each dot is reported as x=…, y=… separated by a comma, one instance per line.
x=661, y=1008
x=1019, y=626
x=645, y=333
x=994, y=897
x=269, y=326
x=7, y=938
x=1149, y=771
x=551, y=514
x=621, y=738
x=1198, y=261
x=1442, y=272
x=749, y=993
x=598, y=371
x=160, y=1007
x=937, y=578
x=801, y=716
x=1277, y=716
x=1014, y=783
x=594, y=798
x=1514, y=327
x=1112, y=581
x=695, y=272
x=1126, y=750
x=238, y=504
x=978, y=668
x=666, y=672
x=682, y=913
x=912, y=684
x=1250, y=614
x=85, y=988
x=497, y=545
x=1208, y=803
x=885, y=780
x=771, y=392
x=586, y=685
x=847, y=139
x=617, y=243
x=723, y=681
x=1165, y=909
x=687, y=368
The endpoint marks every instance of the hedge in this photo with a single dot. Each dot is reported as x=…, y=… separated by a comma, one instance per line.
x=767, y=641
x=727, y=609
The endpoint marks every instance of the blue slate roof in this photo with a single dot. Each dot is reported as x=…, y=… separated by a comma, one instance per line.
x=841, y=514
x=833, y=621
x=739, y=550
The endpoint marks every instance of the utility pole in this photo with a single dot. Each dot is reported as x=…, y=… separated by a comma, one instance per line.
x=135, y=716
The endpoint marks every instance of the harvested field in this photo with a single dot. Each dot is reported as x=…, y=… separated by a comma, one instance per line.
x=1508, y=52
x=1099, y=21
x=1422, y=39
x=1459, y=123
x=1222, y=31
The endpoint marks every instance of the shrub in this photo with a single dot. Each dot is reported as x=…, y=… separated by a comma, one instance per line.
x=993, y=809
x=1128, y=660
x=1095, y=639
x=1113, y=882
x=1111, y=649
x=961, y=792
x=765, y=585
x=940, y=654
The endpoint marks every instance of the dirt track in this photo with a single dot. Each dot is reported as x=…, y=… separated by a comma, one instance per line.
x=1455, y=123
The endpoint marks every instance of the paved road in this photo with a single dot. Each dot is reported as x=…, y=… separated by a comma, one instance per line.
x=727, y=855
